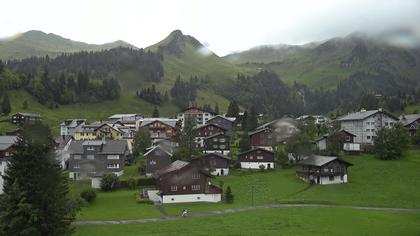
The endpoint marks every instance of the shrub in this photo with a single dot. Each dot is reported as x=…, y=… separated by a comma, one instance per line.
x=229, y=195
x=140, y=200
x=391, y=143
x=109, y=182
x=89, y=195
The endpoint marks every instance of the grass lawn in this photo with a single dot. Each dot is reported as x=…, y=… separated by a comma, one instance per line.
x=372, y=183
x=289, y=221
x=117, y=205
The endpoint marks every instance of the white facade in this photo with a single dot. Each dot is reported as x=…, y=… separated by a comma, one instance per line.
x=220, y=172
x=200, y=118
x=321, y=144
x=256, y=165
x=78, y=176
x=351, y=147
x=96, y=182
x=325, y=180
x=3, y=167
x=183, y=198
x=365, y=129
x=223, y=152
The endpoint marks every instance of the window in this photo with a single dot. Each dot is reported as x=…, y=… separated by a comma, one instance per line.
x=174, y=188
x=341, y=178
x=331, y=178
x=214, y=139
x=386, y=123
x=347, y=138
x=113, y=166
x=222, y=146
x=77, y=157
x=368, y=137
x=113, y=157
x=76, y=166
x=195, y=187
x=260, y=157
x=90, y=148
x=391, y=123
x=152, y=162
x=90, y=157
x=215, y=146
x=196, y=175
x=222, y=140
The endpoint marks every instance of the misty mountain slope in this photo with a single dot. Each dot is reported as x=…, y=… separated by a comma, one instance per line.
x=38, y=43
x=185, y=56
x=327, y=64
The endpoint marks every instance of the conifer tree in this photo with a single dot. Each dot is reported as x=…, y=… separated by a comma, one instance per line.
x=155, y=113
x=187, y=146
x=233, y=109
x=229, y=195
x=5, y=106
x=35, y=200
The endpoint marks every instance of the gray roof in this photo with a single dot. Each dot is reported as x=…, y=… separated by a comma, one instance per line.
x=408, y=119
x=114, y=147
x=109, y=147
x=316, y=160
x=167, y=121
x=231, y=119
x=258, y=131
x=7, y=141
x=209, y=124
x=151, y=149
x=72, y=122
x=361, y=115
x=217, y=154
x=29, y=114
x=176, y=165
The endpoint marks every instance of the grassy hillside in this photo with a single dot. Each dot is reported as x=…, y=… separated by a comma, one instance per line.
x=38, y=43
x=326, y=64
x=92, y=111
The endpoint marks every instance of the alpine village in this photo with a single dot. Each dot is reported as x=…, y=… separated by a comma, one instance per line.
x=118, y=140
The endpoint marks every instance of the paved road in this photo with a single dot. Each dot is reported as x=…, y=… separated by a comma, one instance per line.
x=234, y=210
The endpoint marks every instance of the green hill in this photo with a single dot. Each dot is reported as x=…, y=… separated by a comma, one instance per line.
x=38, y=43
x=185, y=56
x=326, y=64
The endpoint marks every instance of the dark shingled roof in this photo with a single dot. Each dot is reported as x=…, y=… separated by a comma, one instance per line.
x=316, y=160
x=218, y=155
x=109, y=147
x=259, y=130
x=255, y=149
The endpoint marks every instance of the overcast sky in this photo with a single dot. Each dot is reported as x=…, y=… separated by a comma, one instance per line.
x=224, y=25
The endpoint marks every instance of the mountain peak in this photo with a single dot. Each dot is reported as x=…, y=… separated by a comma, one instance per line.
x=175, y=43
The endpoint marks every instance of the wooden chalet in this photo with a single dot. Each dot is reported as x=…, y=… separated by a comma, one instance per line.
x=256, y=159
x=156, y=158
x=217, y=143
x=216, y=163
x=262, y=138
x=22, y=118
x=185, y=182
x=323, y=170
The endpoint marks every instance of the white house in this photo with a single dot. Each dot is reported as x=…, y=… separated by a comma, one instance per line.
x=364, y=124
x=200, y=116
x=6, y=148
x=69, y=126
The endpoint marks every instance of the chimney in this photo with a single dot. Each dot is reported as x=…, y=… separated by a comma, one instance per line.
x=380, y=109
